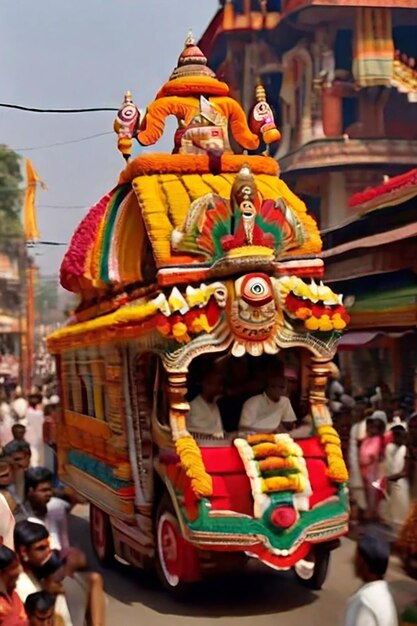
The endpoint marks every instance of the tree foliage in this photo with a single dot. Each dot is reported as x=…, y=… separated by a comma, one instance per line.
x=11, y=195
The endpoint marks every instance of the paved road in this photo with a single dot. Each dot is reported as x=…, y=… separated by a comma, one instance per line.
x=258, y=593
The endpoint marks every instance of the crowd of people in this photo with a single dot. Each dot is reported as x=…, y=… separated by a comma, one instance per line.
x=379, y=441
x=44, y=579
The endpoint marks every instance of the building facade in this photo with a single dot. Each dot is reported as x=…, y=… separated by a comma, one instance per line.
x=341, y=78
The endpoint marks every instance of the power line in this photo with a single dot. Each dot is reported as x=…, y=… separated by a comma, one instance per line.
x=33, y=244
x=62, y=143
x=20, y=107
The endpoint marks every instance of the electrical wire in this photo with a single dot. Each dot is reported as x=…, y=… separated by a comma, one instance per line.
x=20, y=107
x=33, y=244
x=62, y=143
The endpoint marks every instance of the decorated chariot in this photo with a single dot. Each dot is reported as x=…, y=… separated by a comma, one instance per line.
x=201, y=252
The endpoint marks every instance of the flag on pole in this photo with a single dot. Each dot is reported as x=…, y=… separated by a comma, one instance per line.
x=30, y=222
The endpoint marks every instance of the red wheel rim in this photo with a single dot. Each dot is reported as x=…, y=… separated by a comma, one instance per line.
x=169, y=548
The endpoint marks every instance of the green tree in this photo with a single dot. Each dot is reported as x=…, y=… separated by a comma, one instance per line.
x=46, y=298
x=11, y=195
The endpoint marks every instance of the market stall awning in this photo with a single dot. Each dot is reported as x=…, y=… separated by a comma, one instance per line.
x=361, y=339
x=356, y=339
x=395, y=190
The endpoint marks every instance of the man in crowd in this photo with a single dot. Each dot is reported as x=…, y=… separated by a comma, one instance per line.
x=18, y=432
x=12, y=611
x=373, y=604
x=34, y=428
x=32, y=544
x=204, y=416
x=6, y=523
x=40, y=503
x=40, y=609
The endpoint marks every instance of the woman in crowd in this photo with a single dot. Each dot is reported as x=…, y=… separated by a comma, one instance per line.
x=371, y=456
x=408, y=537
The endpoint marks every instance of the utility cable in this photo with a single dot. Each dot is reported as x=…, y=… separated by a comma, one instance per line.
x=20, y=107
x=62, y=143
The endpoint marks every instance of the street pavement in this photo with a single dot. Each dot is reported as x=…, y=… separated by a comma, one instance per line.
x=257, y=594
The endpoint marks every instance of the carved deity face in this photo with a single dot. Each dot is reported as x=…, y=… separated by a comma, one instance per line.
x=253, y=315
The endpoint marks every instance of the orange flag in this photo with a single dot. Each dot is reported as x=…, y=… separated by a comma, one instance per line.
x=29, y=211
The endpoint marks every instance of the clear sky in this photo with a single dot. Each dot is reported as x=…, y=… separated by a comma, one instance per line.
x=83, y=53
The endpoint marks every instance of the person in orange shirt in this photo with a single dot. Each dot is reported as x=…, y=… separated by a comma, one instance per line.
x=12, y=611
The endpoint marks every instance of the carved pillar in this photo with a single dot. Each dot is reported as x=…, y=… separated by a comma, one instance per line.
x=179, y=406
x=187, y=449
x=319, y=369
x=332, y=112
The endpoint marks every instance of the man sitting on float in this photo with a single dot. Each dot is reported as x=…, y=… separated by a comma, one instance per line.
x=204, y=417
x=271, y=411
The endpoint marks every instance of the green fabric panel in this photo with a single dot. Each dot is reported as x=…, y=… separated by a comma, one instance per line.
x=278, y=538
x=116, y=201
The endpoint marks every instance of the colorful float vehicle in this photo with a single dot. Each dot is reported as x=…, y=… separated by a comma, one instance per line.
x=194, y=253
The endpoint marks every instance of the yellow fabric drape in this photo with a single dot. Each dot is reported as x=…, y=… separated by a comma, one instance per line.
x=29, y=211
x=373, y=48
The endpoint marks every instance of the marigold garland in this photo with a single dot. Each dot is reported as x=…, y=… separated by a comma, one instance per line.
x=336, y=470
x=154, y=213
x=263, y=450
x=200, y=84
x=284, y=454
x=278, y=463
x=255, y=439
x=192, y=462
x=295, y=482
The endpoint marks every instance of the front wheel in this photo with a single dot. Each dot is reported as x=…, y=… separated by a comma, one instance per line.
x=101, y=536
x=177, y=562
x=312, y=573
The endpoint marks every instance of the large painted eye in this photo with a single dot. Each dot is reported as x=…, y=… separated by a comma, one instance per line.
x=257, y=289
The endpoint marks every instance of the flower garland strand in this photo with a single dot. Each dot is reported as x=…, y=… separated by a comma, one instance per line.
x=274, y=463
x=330, y=440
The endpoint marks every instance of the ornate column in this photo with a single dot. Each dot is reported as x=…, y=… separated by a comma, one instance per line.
x=178, y=405
x=329, y=438
x=319, y=369
x=185, y=445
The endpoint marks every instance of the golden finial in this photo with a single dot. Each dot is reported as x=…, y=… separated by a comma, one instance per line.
x=190, y=41
x=260, y=93
x=128, y=97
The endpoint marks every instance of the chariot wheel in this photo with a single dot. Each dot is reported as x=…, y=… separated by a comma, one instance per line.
x=313, y=577
x=177, y=561
x=101, y=536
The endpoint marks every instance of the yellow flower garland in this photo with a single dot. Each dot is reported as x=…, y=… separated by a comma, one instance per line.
x=337, y=470
x=192, y=462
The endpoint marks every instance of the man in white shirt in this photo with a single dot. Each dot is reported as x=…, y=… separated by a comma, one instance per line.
x=373, y=604
x=34, y=429
x=6, y=523
x=204, y=416
x=268, y=412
